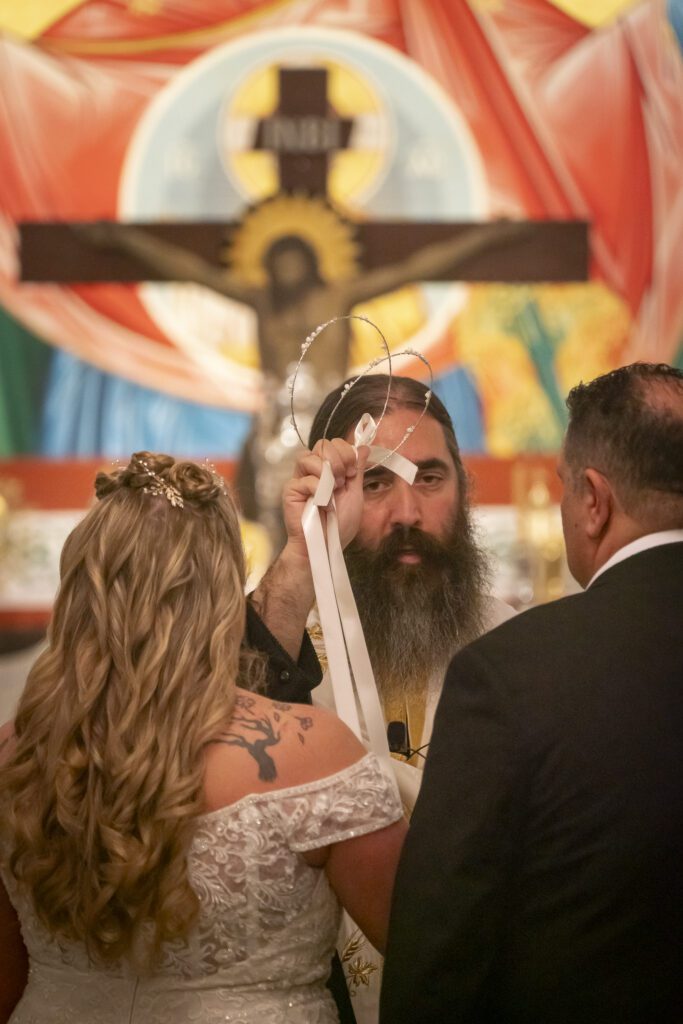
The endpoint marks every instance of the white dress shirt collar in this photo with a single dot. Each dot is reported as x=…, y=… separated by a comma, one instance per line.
x=650, y=540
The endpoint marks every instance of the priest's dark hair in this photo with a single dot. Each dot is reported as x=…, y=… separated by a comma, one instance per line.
x=369, y=395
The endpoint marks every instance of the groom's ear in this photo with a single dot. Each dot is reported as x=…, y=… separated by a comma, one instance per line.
x=598, y=502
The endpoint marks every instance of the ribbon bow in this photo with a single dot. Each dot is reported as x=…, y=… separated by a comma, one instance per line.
x=353, y=681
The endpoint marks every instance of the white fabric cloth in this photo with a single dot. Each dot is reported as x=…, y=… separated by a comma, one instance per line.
x=267, y=927
x=650, y=540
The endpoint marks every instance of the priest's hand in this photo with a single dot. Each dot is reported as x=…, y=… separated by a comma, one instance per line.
x=348, y=467
x=285, y=595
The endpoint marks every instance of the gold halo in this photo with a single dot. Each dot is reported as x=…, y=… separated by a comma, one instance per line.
x=311, y=219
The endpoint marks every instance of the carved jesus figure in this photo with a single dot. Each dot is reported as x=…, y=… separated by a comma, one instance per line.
x=292, y=302
x=296, y=298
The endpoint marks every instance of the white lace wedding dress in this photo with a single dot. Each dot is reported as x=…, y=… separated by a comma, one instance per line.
x=268, y=922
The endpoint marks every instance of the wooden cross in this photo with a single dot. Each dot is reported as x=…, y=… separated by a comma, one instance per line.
x=304, y=132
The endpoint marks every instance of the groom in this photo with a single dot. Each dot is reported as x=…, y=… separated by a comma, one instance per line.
x=542, y=880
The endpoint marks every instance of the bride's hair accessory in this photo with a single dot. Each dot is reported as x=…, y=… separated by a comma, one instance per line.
x=218, y=480
x=160, y=488
x=161, y=476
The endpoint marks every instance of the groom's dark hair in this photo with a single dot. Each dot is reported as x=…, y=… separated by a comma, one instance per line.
x=628, y=424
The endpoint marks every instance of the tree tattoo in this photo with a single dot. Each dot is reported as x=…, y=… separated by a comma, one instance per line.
x=263, y=732
x=265, y=735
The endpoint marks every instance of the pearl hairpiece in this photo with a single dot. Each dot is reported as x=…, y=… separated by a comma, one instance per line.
x=216, y=476
x=160, y=488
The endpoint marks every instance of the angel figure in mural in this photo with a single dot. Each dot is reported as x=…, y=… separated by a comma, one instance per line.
x=279, y=274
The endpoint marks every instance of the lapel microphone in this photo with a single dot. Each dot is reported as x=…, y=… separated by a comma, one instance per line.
x=399, y=741
x=397, y=735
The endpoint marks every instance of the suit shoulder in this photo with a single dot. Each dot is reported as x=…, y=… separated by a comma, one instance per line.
x=554, y=615
x=546, y=635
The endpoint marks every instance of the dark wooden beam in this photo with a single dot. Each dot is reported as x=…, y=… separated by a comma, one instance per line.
x=551, y=251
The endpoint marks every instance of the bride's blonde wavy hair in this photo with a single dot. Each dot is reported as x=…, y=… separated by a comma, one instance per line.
x=100, y=794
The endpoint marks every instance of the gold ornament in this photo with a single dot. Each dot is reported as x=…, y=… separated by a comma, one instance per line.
x=309, y=218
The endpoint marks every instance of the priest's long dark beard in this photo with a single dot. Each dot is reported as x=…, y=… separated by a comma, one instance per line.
x=415, y=617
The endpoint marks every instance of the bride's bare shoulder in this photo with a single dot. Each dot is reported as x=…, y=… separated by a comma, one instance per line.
x=270, y=744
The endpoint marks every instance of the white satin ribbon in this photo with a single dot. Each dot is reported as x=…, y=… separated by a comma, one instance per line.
x=353, y=681
x=365, y=434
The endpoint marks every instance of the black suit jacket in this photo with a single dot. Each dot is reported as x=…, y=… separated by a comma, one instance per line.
x=542, y=878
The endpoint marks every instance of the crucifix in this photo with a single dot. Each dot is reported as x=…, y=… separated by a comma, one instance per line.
x=304, y=131
x=290, y=287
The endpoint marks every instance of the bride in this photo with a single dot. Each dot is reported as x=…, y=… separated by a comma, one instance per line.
x=174, y=846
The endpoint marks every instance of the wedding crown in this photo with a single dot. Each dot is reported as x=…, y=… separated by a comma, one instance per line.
x=386, y=358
